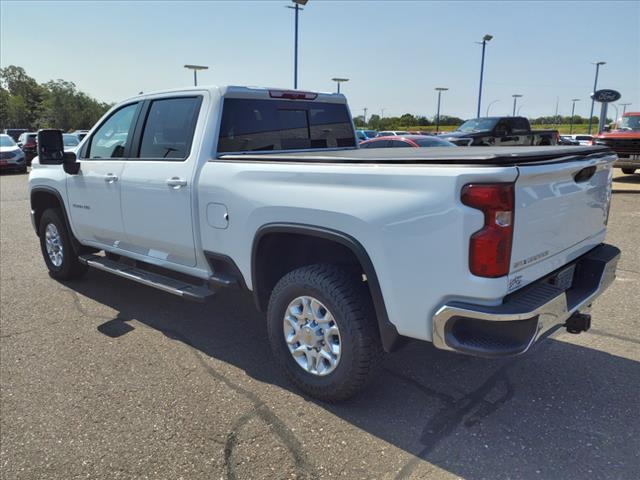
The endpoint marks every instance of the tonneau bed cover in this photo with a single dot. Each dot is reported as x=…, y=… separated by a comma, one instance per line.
x=437, y=155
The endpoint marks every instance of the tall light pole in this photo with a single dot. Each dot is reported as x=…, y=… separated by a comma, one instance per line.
x=573, y=111
x=297, y=7
x=439, y=90
x=489, y=106
x=365, y=115
x=515, y=96
x=595, y=87
x=485, y=39
x=624, y=107
x=195, y=69
x=339, y=81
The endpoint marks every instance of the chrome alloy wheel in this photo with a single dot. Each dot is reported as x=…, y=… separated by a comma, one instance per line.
x=53, y=243
x=312, y=336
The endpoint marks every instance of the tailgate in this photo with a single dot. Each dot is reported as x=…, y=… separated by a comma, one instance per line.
x=561, y=212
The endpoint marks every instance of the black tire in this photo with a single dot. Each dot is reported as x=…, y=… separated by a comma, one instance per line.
x=350, y=304
x=629, y=171
x=70, y=268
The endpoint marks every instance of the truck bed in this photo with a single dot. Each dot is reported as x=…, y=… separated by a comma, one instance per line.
x=493, y=156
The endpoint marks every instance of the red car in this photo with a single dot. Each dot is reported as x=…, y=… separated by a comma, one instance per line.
x=625, y=141
x=414, y=141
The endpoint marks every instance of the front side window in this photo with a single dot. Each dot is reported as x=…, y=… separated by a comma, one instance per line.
x=168, y=130
x=520, y=125
x=110, y=139
x=263, y=125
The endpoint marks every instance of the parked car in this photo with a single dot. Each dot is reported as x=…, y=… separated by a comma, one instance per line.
x=625, y=141
x=347, y=250
x=70, y=142
x=581, y=138
x=391, y=133
x=80, y=134
x=28, y=143
x=567, y=140
x=364, y=135
x=14, y=132
x=500, y=131
x=414, y=141
x=11, y=156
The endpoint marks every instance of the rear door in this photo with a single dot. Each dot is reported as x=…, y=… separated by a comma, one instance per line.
x=94, y=194
x=157, y=184
x=504, y=133
x=561, y=212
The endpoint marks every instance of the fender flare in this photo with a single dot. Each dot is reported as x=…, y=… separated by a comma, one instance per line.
x=391, y=339
x=65, y=217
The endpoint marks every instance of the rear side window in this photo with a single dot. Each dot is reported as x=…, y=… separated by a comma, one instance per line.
x=376, y=144
x=263, y=125
x=433, y=142
x=169, y=127
x=520, y=125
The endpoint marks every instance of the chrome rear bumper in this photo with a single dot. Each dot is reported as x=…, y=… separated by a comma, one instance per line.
x=526, y=315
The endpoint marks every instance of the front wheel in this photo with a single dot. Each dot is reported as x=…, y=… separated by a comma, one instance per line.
x=323, y=332
x=629, y=171
x=57, y=250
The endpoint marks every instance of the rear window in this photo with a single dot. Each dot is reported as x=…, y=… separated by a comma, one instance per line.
x=263, y=125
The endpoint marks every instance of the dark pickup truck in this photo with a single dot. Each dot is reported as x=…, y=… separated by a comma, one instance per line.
x=500, y=131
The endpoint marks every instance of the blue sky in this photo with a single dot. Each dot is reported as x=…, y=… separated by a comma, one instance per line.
x=394, y=52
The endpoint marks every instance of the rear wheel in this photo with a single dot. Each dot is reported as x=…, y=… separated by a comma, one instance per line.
x=323, y=332
x=56, y=246
x=629, y=171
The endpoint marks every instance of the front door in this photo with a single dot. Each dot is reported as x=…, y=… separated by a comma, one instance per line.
x=94, y=193
x=157, y=185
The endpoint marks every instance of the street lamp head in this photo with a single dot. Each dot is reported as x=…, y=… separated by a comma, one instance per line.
x=516, y=95
x=340, y=79
x=300, y=2
x=196, y=67
x=575, y=99
x=441, y=89
x=487, y=37
x=598, y=63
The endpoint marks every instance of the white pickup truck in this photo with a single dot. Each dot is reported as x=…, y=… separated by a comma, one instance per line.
x=480, y=250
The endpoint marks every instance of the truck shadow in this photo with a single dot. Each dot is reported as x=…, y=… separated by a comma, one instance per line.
x=562, y=411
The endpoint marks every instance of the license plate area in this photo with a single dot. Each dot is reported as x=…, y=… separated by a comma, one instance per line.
x=563, y=279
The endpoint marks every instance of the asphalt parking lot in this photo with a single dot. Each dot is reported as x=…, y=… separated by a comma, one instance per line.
x=107, y=379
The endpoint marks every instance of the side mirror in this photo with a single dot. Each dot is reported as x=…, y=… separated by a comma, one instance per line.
x=50, y=147
x=51, y=151
x=70, y=163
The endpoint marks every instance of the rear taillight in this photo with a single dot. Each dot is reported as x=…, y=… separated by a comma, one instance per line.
x=490, y=247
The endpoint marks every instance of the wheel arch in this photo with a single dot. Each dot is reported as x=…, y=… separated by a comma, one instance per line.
x=391, y=339
x=43, y=198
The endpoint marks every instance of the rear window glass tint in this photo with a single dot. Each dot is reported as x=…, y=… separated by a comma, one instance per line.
x=255, y=125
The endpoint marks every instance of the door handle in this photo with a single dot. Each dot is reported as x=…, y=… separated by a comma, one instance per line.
x=110, y=178
x=176, y=182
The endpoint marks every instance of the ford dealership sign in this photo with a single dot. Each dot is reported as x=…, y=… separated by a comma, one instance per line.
x=606, y=96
